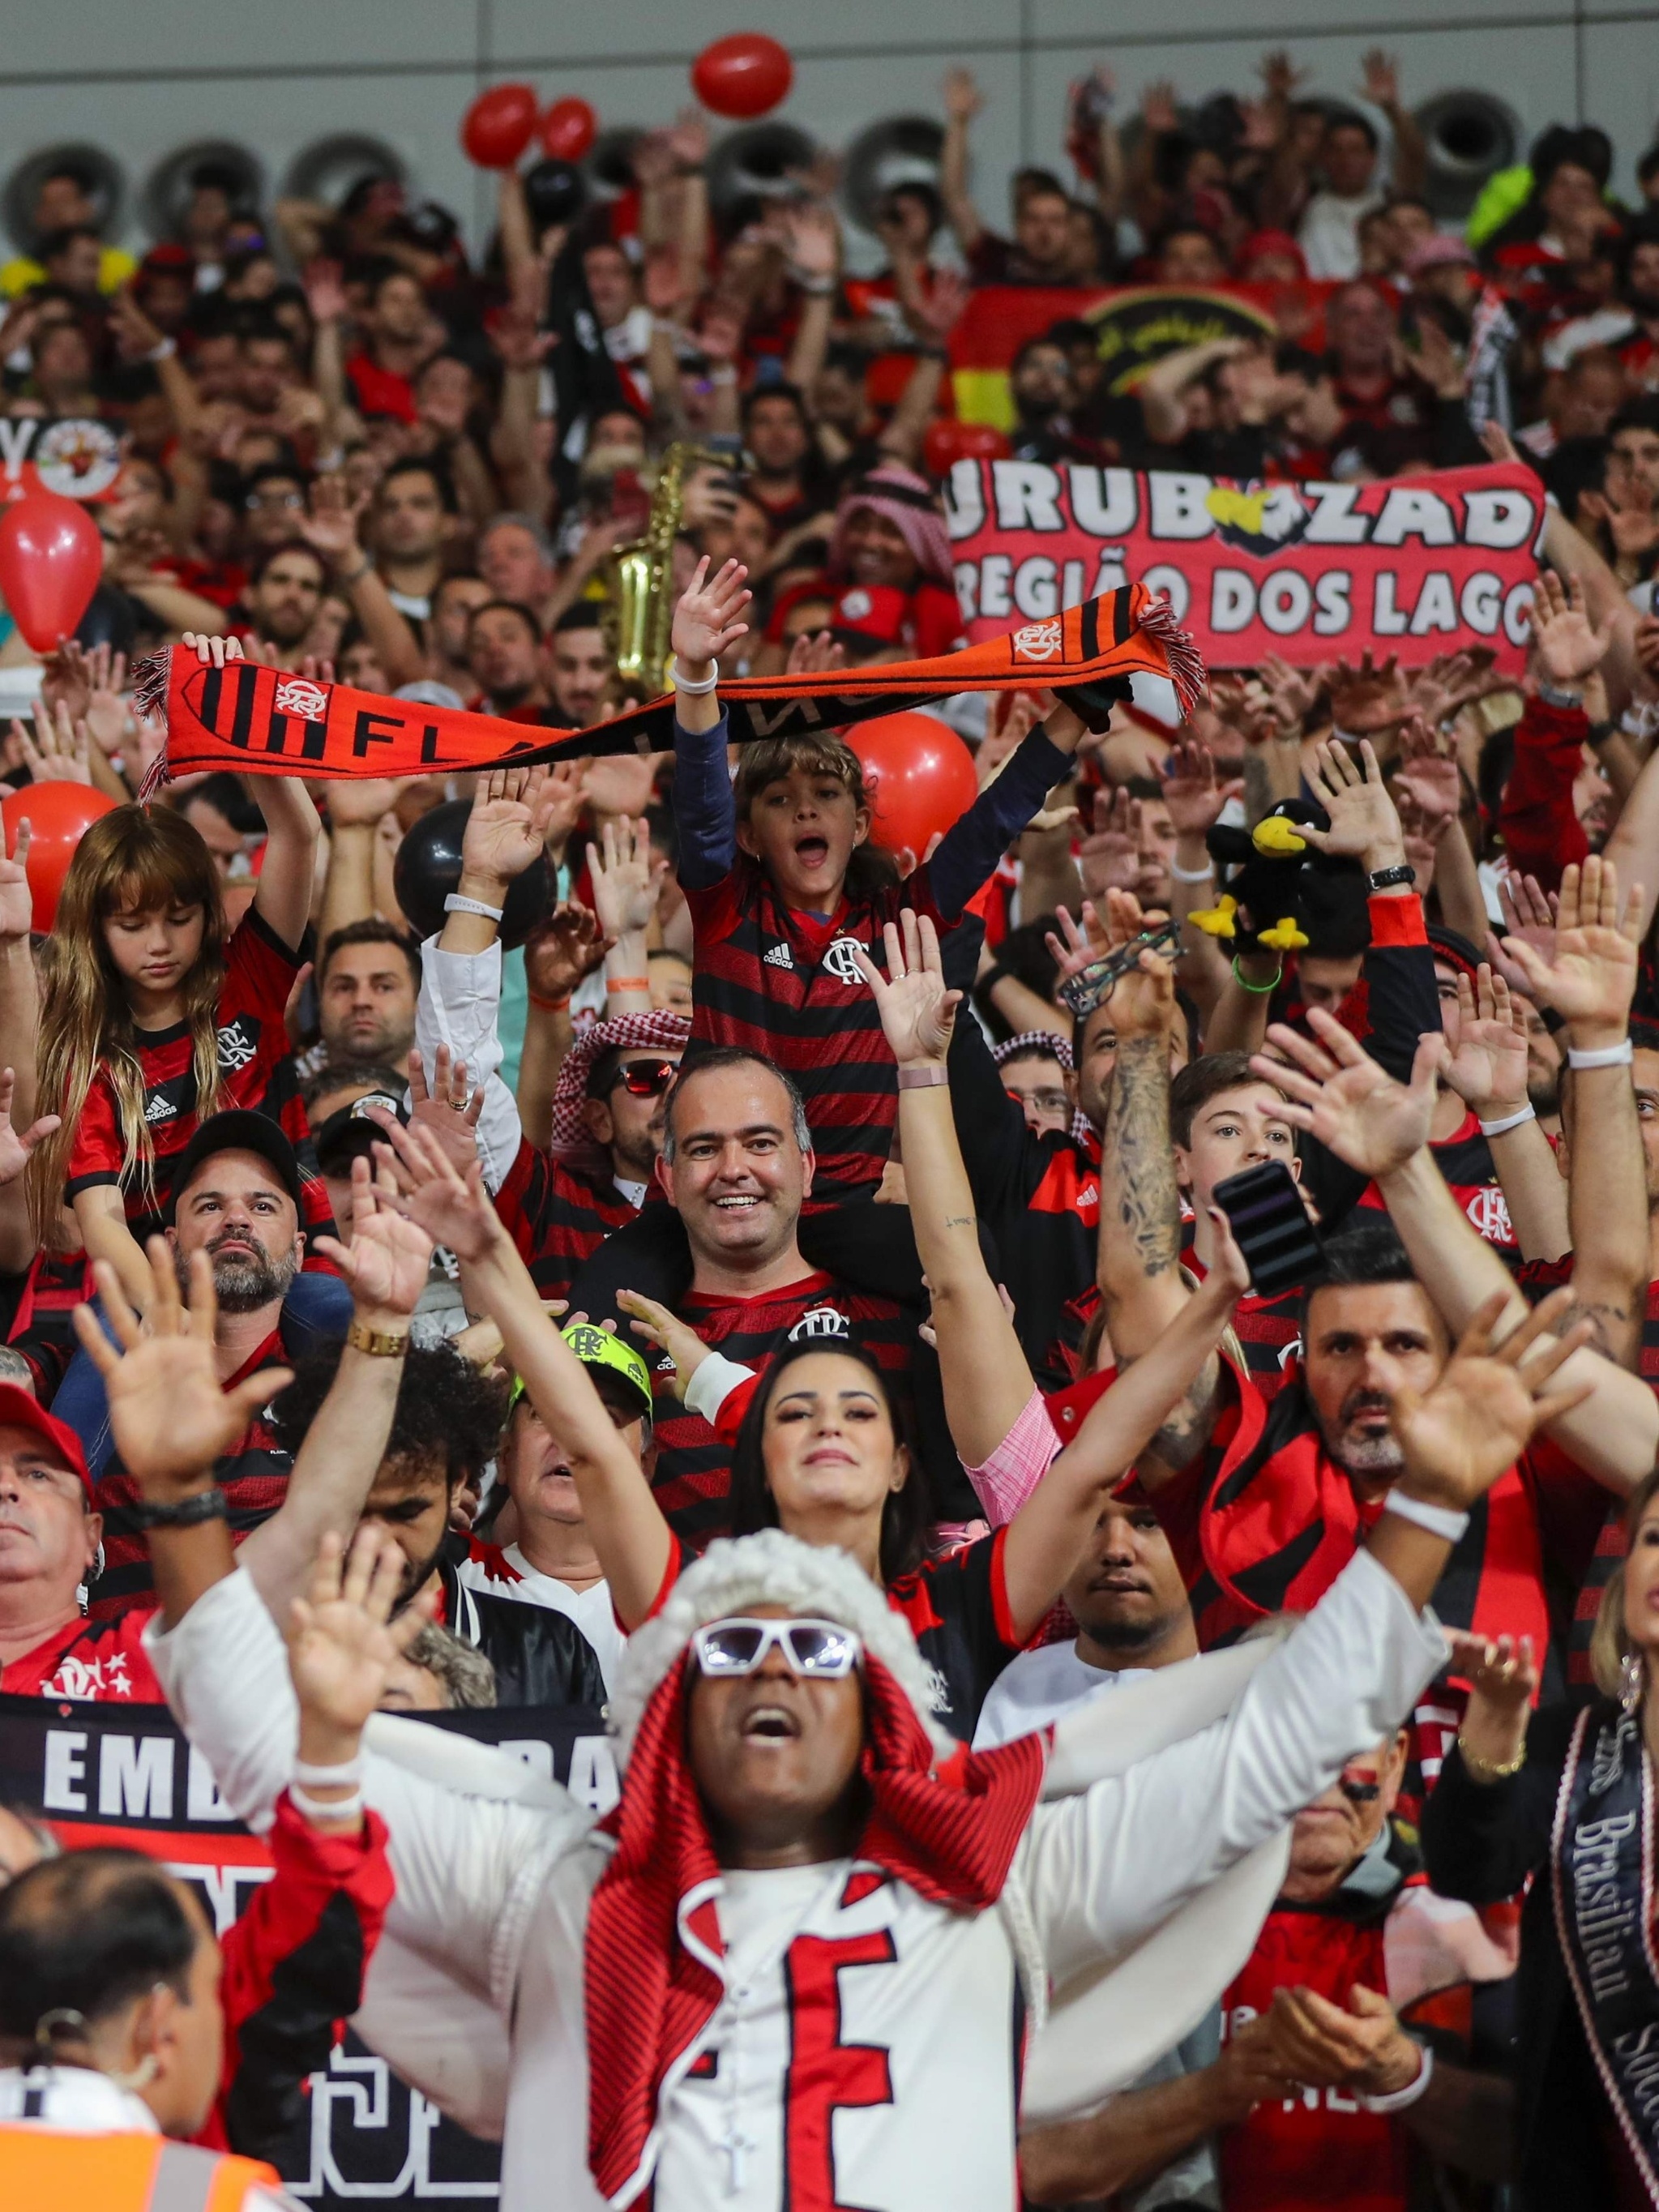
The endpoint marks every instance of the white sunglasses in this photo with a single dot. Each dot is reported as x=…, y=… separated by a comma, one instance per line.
x=820, y=1648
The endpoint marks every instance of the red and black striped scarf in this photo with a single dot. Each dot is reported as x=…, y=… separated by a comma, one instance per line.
x=949, y=1834
x=268, y=721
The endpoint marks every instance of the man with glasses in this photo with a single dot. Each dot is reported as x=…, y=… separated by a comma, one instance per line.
x=794, y=1964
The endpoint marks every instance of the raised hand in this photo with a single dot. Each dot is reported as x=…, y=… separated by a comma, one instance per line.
x=450, y=1108
x=1429, y=772
x=1480, y=1415
x=1157, y=107
x=1364, y=825
x=325, y=293
x=1529, y=912
x=658, y=1326
x=706, y=619
x=1591, y=977
x=331, y=525
x=170, y=1418
x=918, y=1013
x=342, y=1642
x=1501, y=1672
x=561, y=950
x=16, y=899
x=454, y=1209
x=1566, y=644
x=16, y=1145
x=963, y=97
x=1108, y=859
x=1488, y=1070
x=60, y=750
x=388, y=1260
x=1191, y=792
x=508, y=826
x=1292, y=693
x=1366, y=699
x=1337, y=1092
x=213, y=652
x=627, y=881
x=358, y=802
x=814, y=237
x=1381, y=81
x=1078, y=943
x=1143, y=999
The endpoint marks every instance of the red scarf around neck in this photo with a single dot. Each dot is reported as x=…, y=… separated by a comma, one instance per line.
x=949, y=1834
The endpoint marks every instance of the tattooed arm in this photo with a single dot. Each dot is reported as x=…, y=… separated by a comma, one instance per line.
x=1139, y=1261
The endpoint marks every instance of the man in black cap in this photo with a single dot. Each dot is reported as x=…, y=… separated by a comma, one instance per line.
x=236, y=1195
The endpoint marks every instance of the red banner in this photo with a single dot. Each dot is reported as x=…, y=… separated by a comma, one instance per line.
x=1313, y=572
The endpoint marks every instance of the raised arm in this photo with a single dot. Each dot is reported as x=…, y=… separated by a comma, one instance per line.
x=631, y=1539
x=1381, y=1127
x=985, y=1380
x=1488, y=1071
x=707, y=621
x=963, y=101
x=1591, y=979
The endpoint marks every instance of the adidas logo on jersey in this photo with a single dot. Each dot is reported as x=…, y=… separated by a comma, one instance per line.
x=779, y=956
x=160, y=1109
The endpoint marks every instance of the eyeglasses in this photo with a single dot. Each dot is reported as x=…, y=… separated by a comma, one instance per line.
x=1046, y=1101
x=1360, y=1793
x=821, y=1649
x=647, y=1078
x=292, y=499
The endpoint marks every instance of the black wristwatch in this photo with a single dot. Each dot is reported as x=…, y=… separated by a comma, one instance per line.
x=1386, y=879
x=189, y=1513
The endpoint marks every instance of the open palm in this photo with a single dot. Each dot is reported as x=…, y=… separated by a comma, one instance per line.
x=342, y=1643
x=1340, y=1095
x=1460, y=1435
x=918, y=1013
x=1591, y=977
x=507, y=824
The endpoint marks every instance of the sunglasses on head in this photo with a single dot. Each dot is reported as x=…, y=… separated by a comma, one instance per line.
x=820, y=1648
x=647, y=1078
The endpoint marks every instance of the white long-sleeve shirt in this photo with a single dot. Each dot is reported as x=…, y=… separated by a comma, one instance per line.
x=911, y=2011
x=460, y=1005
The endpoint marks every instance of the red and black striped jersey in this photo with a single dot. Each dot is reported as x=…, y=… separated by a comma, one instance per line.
x=956, y=1606
x=558, y=1216
x=1465, y=1160
x=255, y=1072
x=104, y=1662
x=1264, y=1520
x=253, y=1476
x=693, y=1475
x=786, y=985
x=42, y=1324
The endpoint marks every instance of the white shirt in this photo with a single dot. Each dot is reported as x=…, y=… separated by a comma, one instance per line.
x=591, y=1609
x=1040, y=1685
x=1328, y=234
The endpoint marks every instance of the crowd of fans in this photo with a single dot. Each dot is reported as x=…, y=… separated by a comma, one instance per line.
x=765, y=1181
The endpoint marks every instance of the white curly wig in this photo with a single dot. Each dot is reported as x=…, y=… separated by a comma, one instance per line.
x=769, y=1568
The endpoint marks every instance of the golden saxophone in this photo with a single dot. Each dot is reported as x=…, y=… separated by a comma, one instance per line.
x=642, y=582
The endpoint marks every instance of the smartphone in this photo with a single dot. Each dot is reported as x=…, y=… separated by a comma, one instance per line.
x=1281, y=1245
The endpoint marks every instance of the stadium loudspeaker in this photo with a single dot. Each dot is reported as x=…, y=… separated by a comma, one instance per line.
x=102, y=180
x=901, y=150
x=756, y=161
x=1470, y=137
x=168, y=187
x=328, y=168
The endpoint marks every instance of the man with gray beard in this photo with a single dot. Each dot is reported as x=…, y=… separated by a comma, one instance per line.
x=236, y=1196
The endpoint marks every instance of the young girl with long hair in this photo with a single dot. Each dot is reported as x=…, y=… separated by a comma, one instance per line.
x=152, y=1017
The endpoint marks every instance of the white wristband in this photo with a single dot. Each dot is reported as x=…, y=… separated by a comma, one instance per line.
x=1439, y=1519
x=163, y=350
x=328, y=1778
x=681, y=682
x=456, y=904
x=1610, y=1055
x=1192, y=875
x=1510, y=1121
x=341, y=1809
x=1398, y=2099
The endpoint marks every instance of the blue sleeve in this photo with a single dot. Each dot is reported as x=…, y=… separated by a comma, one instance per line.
x=705, y=811
x=972, y=847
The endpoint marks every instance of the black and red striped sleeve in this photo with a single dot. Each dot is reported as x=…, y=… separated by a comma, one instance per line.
x=293, y=1966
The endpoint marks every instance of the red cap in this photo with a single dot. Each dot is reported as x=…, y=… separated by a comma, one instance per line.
x=21, y=1409
x=880, y=611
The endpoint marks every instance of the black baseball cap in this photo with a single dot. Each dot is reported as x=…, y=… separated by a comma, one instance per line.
x=238, y=1130
x=350, y=1133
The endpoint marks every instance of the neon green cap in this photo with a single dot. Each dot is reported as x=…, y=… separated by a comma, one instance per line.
x=601, y=1347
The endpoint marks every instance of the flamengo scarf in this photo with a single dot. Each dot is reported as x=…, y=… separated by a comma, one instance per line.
x=952, y=1836
x=1601, y=1872
x=267, y=722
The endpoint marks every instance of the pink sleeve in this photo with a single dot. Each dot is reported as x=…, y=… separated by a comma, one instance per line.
x=1018, y=1463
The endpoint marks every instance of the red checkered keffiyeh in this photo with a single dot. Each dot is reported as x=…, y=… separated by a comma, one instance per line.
x=1058, y=1047
x=667, y=1031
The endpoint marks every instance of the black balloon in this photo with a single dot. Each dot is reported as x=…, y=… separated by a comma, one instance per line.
x=555, y=191
x=428, y=868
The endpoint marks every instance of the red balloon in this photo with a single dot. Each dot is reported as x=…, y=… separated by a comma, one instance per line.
x=496, y=127
x=921, y=776
x=569, y=128
x=948, y=441
x=58, y=815
x=50, y=559
x=743, y=75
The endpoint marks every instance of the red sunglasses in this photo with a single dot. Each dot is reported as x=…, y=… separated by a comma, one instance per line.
x=647, y=1078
